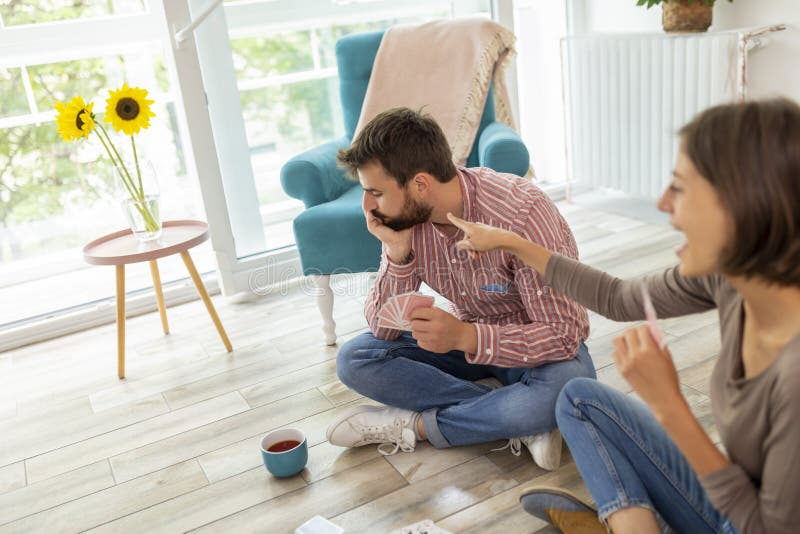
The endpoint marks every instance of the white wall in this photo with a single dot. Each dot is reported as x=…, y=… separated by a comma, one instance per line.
x=600, y=16
x=539, y=26
x=773, y=70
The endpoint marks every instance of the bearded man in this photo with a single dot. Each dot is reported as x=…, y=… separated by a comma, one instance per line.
x=493, y=366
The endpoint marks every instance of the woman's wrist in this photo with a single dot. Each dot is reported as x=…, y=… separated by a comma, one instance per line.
x=671, y=409
x=509, y=241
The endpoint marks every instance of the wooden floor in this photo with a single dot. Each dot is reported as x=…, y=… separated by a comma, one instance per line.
x=175, y=446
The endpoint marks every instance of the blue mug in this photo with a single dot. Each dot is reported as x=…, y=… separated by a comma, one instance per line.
x=283, y=462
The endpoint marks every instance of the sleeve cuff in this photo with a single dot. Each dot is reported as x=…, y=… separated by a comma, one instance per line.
x=402, y=271
x=731, y=492
x=488, y=345
x=720, y=483
x=552, y=267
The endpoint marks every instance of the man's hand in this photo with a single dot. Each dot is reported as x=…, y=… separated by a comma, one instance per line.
x=398, y=244
x=438, y=331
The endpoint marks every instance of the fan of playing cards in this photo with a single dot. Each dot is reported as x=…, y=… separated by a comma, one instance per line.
x=396, y=311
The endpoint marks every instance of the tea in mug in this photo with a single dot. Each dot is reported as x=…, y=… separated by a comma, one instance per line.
x=283, y=446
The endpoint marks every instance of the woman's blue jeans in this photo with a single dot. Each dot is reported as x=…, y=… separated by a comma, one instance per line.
x=627, y=459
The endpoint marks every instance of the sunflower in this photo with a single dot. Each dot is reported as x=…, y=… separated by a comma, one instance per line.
x=75, y=119
x=128, y=110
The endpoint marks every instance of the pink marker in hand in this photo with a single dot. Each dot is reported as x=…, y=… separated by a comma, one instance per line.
x=652, y=320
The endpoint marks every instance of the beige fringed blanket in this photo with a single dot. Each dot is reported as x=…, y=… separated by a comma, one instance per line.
x=445, y=68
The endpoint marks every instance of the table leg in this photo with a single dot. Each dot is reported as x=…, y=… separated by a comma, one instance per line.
x=162, y=310
x=206, y=300
x=121, y=321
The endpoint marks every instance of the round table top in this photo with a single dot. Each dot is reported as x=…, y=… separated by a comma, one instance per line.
x=122, y=247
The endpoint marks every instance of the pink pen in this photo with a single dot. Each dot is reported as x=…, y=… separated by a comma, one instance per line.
x=652, y=320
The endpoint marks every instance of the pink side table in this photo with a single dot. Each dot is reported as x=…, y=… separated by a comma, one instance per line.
x=121, y=248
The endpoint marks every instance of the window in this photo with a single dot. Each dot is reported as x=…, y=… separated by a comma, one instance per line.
x=15, y=12
x=289, y=89
x=56, y=196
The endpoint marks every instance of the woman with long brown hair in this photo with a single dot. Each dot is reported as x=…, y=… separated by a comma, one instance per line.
x=735, y=194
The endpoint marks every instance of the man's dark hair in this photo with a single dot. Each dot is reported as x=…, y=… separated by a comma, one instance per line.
x=404, y=142
x=750, y=153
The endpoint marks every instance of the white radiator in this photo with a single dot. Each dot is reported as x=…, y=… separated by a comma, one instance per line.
x=627, y=95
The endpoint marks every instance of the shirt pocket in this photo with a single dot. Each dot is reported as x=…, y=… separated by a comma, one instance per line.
x=496, y=286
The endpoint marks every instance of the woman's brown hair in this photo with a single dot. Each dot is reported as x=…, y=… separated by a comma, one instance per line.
x=750, y=152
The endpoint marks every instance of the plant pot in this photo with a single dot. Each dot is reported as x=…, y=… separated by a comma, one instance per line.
x=679, y=16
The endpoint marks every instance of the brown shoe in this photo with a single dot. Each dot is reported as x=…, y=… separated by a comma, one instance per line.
x=562, y=509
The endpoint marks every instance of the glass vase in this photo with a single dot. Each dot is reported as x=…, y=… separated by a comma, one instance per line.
x=138, y=194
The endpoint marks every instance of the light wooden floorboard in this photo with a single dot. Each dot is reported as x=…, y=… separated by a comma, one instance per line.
x=208, y=503
x=437, y=497
x=37, y=434
x=55, y=490
x=134, y=436
x=117, y=501
x=329, y=497
x=175, y=446
x=12, y=476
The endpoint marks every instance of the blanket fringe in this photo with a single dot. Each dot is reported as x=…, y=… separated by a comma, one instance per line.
x=491, y=67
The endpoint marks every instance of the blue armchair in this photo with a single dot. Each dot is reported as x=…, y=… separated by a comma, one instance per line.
x=331, y=233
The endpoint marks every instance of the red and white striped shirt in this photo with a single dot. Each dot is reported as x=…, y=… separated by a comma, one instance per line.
x=520, y=322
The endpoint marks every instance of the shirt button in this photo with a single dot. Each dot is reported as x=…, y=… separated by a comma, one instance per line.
x=525, y=359
x=539, y=292
x=463, y=293
x=453, y=260
x=488, y=351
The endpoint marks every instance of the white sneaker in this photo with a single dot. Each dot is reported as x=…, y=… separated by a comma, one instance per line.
x=545, y=448
x=363, y=425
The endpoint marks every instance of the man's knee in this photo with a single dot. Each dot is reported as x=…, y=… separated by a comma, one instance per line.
x=344, y=360
x=529, y=414
x=349, y=353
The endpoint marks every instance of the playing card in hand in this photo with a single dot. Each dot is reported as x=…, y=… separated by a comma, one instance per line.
x=652, y=319
x=396, y=311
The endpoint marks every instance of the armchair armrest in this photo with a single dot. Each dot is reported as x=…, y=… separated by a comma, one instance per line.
x=500, y=148
x=313, y=175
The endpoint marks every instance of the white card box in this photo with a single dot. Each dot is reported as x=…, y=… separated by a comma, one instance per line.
x=318, y=525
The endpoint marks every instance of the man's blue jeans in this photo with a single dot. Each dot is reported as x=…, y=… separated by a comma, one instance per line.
x=456, y=411
x=627, y=459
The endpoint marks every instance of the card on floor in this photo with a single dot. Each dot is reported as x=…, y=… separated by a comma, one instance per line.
x=318, y=525
x=423, y=527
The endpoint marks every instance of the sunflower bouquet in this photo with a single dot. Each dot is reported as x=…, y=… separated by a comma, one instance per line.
x=128, y=111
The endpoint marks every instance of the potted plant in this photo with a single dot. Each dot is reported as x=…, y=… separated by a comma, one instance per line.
x=683, y=15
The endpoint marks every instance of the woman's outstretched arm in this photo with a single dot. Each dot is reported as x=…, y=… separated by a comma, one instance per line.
x=479, y=237
x=620, y=300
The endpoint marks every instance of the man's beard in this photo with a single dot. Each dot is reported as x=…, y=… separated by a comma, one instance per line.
x=413, y=213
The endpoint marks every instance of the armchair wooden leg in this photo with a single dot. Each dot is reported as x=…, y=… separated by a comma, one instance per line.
x=198, y=282
x=324, y=294
x=121, y=321
x=162, y=310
